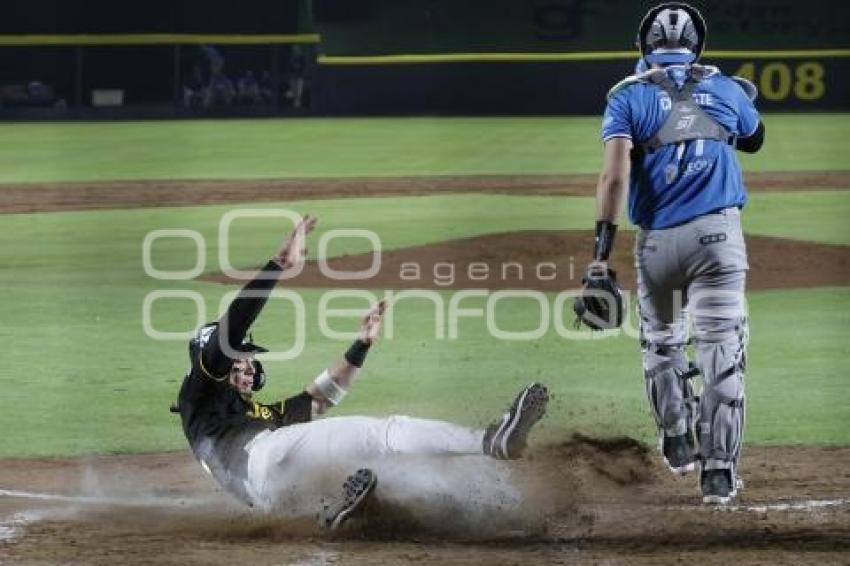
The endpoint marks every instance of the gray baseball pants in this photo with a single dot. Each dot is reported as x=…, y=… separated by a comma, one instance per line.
x=693, y=275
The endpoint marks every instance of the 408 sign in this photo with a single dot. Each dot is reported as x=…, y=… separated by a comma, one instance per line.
x=792, y=83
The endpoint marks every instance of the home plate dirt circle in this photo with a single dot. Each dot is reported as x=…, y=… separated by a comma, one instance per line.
x=586, y=499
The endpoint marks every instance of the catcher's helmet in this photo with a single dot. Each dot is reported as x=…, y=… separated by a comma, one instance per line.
x=671, y=33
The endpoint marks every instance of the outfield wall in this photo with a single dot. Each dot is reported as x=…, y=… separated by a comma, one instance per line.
x=391, y=57
x=560, y=56
x=787, y=81
x=381, y=27
x=455, y=84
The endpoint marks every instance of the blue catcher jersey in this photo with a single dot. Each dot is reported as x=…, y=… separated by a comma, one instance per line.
x=706, y=175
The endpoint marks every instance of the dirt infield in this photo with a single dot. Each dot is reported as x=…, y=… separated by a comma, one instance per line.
x=591, y=500
x=553, y=261
x=45, y=197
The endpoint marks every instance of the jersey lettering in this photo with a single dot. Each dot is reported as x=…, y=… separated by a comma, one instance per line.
x=696, y=166
x=204, y=335
x=703, y=98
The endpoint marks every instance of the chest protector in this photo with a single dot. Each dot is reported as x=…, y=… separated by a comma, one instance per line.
x=686, y=121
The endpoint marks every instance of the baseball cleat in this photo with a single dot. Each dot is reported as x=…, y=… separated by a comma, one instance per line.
x=678, y=454
x=507, y=438
x=355, y=492
x=718, y=486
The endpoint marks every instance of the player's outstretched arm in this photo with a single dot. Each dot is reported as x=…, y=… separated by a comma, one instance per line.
x=331, y=386
x=246, y=307
x=293, y=251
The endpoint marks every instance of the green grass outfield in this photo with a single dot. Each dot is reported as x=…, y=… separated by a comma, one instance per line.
x=81, y=376
x=361, y=147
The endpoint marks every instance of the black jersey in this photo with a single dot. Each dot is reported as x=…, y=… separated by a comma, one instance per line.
x=217, y=421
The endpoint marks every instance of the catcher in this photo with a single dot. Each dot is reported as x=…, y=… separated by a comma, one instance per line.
x=262, y=453
x=670, y=135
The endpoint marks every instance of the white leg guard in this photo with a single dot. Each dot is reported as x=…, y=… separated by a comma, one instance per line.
x=669, y=388
x=721, y=356
x=669, y=385
x=722, y=409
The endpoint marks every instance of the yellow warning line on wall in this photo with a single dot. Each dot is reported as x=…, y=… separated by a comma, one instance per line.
x=394, y=59
x=156, y=39
x=430, y=58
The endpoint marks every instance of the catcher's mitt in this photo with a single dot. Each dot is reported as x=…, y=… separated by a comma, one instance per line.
x=600, y=305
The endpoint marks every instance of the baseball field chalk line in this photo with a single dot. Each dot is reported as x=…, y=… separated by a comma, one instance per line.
x=9, y=529
x=91, y=500
x=805, y=506
x=13, y=526
x=809, y=505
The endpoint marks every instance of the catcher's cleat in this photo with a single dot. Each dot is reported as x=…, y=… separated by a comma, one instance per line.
x=506, y=439
x=678, y=454
x=355, y=492
x=718, y=486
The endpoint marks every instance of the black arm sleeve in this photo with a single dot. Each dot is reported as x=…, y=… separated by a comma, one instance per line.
x=241, y=314
x=753, y=143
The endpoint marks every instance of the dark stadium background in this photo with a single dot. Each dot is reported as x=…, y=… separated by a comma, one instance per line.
x=770, y=39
